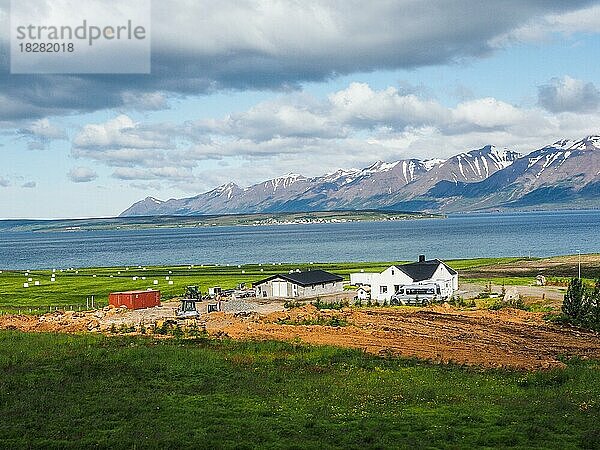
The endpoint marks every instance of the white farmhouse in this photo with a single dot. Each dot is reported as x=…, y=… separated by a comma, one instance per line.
x=385, y=284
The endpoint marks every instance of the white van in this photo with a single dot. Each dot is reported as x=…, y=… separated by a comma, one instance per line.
x=417, y=294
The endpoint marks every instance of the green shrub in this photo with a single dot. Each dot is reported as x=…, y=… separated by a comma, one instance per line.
x=581, y=305
x=289, y=304
x=574, y=304
x=516, y=303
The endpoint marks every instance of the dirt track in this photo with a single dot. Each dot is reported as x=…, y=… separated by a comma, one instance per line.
x=506, y=338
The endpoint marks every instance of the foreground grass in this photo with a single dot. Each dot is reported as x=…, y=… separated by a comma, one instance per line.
x=73, y=286
x=61, y=391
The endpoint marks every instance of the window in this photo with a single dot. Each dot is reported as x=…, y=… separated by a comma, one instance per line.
x=383, y=289
x=420, y=291
x=392, y=272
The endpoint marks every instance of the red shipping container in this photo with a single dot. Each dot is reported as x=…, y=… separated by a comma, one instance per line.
x=135, y=299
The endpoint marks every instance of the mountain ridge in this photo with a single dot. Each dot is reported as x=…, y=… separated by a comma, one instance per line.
x=481, y=179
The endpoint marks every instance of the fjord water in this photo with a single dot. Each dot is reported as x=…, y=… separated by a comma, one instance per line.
x=458, y=236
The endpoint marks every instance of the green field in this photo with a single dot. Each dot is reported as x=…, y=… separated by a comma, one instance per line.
x=84, y=391
x=71, y=289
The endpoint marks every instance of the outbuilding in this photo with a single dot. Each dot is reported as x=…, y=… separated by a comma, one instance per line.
x=299, y=285
x=135, y=299
x=363, y=293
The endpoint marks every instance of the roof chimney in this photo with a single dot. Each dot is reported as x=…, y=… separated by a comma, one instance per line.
x=421, y=258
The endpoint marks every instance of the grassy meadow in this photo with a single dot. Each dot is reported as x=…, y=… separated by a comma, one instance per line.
x=83, y=391
x=73, y=286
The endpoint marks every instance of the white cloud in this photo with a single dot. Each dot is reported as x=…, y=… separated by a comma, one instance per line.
x=82, y=174
x=29, y=184
x=569, y=94
x=171, y=173
x=351, y=127
x=205, y=46
x=583, y=20
x=361, y=106
x=40, y=133
x=120, y=132
x=145, y=101
x=290, y=116
x=4, y=182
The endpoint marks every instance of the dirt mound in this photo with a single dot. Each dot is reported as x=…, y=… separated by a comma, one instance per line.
x=66, y=322
x=305, y=314
x=507, y=338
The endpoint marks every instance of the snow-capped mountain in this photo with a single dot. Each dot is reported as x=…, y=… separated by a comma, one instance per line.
x=468, y=167
x=561, y=173
x=489, y=177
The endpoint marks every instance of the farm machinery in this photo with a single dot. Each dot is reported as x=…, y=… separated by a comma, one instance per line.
x=187, y=307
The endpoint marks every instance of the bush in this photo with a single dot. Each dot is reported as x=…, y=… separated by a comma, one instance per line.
x=333, y=305
x=581, y=305
x=516, y=303
x=289, y=304
x=456, y=301
x=594, y=305
x=574, y=304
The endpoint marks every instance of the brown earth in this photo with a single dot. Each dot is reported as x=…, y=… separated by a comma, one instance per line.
x=505, y=338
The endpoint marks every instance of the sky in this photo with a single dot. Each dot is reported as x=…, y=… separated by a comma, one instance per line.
x=246, y=91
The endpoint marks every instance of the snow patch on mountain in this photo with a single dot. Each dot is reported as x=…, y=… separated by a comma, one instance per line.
x=429, y=164
x=227, y=190
x=283, y=182
x=154, y=200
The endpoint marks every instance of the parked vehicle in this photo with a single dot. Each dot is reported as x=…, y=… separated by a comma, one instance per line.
x=416, y=294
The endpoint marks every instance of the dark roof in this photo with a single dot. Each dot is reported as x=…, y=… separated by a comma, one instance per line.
x=306, y=278
x=420, y=271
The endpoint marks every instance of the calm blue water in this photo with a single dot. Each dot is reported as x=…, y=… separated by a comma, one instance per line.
x=460, y=236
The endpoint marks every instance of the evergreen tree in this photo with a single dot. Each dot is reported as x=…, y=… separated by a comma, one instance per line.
x=594, y=305
x=575, y=302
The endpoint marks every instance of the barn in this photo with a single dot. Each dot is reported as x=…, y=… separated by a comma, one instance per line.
x=299, y=285
x=135, y=299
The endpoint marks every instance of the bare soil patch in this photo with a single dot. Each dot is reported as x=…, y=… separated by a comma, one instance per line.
x=505, y=338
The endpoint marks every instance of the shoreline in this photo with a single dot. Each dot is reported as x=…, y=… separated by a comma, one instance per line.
x=210, y=221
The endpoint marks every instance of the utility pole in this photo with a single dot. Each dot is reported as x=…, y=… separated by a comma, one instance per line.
x=579, y=271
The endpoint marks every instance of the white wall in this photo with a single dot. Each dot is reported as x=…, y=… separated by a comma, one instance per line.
x=384, y=284
x=362, y=278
